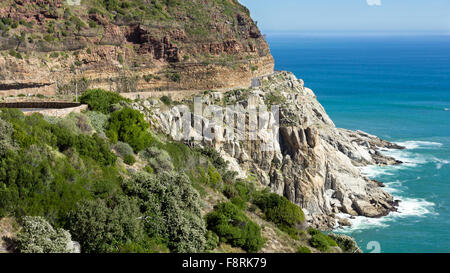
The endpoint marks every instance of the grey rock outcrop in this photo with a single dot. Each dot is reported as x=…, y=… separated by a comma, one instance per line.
x=313, y=163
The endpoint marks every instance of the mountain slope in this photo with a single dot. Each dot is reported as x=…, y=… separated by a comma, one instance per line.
x=135, y=45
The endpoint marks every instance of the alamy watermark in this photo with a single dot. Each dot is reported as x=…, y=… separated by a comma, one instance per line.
x=230, y=123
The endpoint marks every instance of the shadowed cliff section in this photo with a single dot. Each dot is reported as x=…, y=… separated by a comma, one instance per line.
x=129, y=46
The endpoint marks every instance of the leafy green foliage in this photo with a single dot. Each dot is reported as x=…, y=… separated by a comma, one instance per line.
x=100, y=100
x=105, y=225
x=38, y=236
x=212, y=240
x=171, y=209
x=128, y=125
x=320, y=241
x=98, y=121
x=234, y=227
x=166, y=100
x=125, y=152
x=159, y=160
x=303, y=249
x=6, y=137
x=279, y=210
x=47, y=169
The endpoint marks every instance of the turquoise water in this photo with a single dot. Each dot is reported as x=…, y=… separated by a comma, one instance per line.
x=399, y=89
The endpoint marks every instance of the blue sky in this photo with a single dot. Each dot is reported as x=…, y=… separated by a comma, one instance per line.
x=351, y=15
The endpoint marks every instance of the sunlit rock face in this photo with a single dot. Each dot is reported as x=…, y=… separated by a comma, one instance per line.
x=310, y=161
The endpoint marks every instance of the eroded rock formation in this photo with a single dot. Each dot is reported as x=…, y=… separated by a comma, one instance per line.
x=314, y=164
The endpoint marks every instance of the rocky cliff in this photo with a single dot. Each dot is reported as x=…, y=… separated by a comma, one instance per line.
x=313, y=163
x=53, y=47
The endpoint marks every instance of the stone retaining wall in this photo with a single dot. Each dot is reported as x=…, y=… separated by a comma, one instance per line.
x=59, y=112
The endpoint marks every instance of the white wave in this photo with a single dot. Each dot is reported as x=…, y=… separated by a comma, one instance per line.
x=408, y=207
x=446, y=109
x=373, y=171
x=414, y=144
x=440, y=163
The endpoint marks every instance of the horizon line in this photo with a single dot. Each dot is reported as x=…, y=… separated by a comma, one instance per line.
x=355, y=33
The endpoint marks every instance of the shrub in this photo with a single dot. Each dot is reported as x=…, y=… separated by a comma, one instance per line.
x=158, y=159
x=171, y=209
x=6, y=137
x=214, y=156
x=100, y=100
x=128, y=125
x=38, y=236
x=98, y=120
x=279, y=210
x=129, y=159
x=240, y=189
x=103, y=227
x=123, y=149
x=303, y=249
x=166, y=100
x=346, y=243
x=212, y=240
x=234, y=227
x=320, y=241
x=93, y=147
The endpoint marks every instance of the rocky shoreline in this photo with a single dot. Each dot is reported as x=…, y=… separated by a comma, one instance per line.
x=314, y=164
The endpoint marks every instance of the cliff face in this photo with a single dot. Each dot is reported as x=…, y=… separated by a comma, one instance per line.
x=314, y=164
x=50, y=47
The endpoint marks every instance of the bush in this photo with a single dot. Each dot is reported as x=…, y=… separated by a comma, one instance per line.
x=171, y=209
x=6, y=137
x=128, y=125
x=93, y=147
x=346, y=243
x=100, y=100
x=234, y=227
x=98, y=120
x=103, y=227
x=129, y=159
x=124, y=150
x=212, y=240
x=320, y=241
x=287, y=216
x=38, y=236
x=303, y=249
x=166, y=100
x=158, y=159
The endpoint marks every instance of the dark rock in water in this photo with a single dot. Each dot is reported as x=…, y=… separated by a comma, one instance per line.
x=344, y=222
x=397, y=203
x=379, y=183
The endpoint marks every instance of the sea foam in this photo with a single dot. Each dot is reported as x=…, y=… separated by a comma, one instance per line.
x=408, y=207
x=415, y=144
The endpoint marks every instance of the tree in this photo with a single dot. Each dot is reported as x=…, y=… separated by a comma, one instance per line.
x=100, y=100
x=102, y=226
x=234, y=227
x=38, y=236
x=171, y=209
x=128, y=125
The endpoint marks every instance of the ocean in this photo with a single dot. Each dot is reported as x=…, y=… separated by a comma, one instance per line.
x=398, y=88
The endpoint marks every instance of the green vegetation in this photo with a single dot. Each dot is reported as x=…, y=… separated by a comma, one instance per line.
x=320, y=241
x=100, y=100
x=171, y=210
x=279, y=210
x=166, y=100
x=46, y=169
x=106, y=225
x=303, y=249
x=66, y=172
x=38, y=236
x=234, y=227
x=129, y=126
